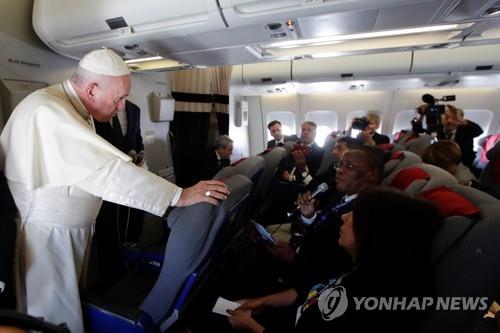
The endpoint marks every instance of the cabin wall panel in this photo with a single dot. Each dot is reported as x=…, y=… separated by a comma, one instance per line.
x=256, y=127
x=238, y=134
x=343, y=103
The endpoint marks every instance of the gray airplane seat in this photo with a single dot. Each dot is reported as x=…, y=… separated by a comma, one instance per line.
x=399, y=160
x=418, y=145
x=391, y=147
x=466, y=257
x=327, y=158
x=418, y=178
x=151, y=257
x=269, y=179
x=404, y=136
x=252, y=168
x=152, y=303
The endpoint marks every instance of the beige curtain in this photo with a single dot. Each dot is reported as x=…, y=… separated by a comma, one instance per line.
x=221, y=77
x=192, y=81
x=201, y=113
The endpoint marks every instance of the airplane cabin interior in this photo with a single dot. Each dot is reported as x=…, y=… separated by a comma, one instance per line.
x=211, y=74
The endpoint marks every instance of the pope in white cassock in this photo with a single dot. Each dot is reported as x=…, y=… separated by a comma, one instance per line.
x=59, y=171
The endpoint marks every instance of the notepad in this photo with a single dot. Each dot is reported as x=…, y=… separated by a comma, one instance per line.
x=222, y=305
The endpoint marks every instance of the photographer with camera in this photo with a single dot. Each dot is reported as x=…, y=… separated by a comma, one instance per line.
x=447, y=122
x=463, y=132
x=368, y=126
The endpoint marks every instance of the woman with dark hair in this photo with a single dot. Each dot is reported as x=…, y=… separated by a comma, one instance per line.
x=389, y=236
x=447, y=155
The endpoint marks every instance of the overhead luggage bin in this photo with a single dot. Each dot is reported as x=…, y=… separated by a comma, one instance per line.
x=247, y=12
x=72, y=28
x=463, y=59
x=275, y=72
x=351, y=67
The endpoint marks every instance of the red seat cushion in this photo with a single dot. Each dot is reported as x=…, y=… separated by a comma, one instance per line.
x=385, y=146
x=450, y=203
x=405, y=177
x=396, y=155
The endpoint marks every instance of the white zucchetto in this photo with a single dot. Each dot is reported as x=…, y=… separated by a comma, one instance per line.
x=105, y=62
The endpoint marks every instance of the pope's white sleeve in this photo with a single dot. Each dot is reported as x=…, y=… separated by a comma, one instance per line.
x=126, y=184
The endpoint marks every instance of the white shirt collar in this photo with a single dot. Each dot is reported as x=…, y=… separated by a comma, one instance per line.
x=282, y=140
x=69, y=90
x=349, y=198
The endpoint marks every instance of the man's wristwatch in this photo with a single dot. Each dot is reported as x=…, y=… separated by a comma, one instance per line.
x=305, y=174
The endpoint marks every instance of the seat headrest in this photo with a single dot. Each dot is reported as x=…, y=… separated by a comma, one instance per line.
x=419, y=144
x=386, y=146
x=450, y=203
x=249, y=167
x=403, y=136
x=407, y=176
x=391, y=147
x=238, y=185
x=418, y=178
x=398, y=160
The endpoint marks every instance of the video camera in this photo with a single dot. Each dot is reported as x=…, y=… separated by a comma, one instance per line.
x=432, y=113
x=360, y=123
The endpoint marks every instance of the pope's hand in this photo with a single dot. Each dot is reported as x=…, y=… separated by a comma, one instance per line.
x=205, y=191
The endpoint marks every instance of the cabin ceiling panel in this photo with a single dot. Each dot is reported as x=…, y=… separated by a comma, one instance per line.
x=213, y=39
x=232, y=55
x=337, y=23
x=405, y=16
x=352, y=67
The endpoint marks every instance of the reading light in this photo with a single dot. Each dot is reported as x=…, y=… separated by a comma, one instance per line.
x=133, y=61
x=375, y=34
x=326, y=54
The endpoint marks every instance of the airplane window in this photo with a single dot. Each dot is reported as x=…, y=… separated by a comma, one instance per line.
x=287, y=120
x=326, y=121
x=403, y=120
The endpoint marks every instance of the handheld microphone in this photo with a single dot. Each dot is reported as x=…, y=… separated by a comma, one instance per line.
x=323, y=187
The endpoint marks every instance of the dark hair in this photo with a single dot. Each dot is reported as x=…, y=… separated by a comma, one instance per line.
x=444, y=154
x=272, y=123
x=222, y=141
x=375, y=158
x=310, y=123
x=394, y=234
x=351, y=143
